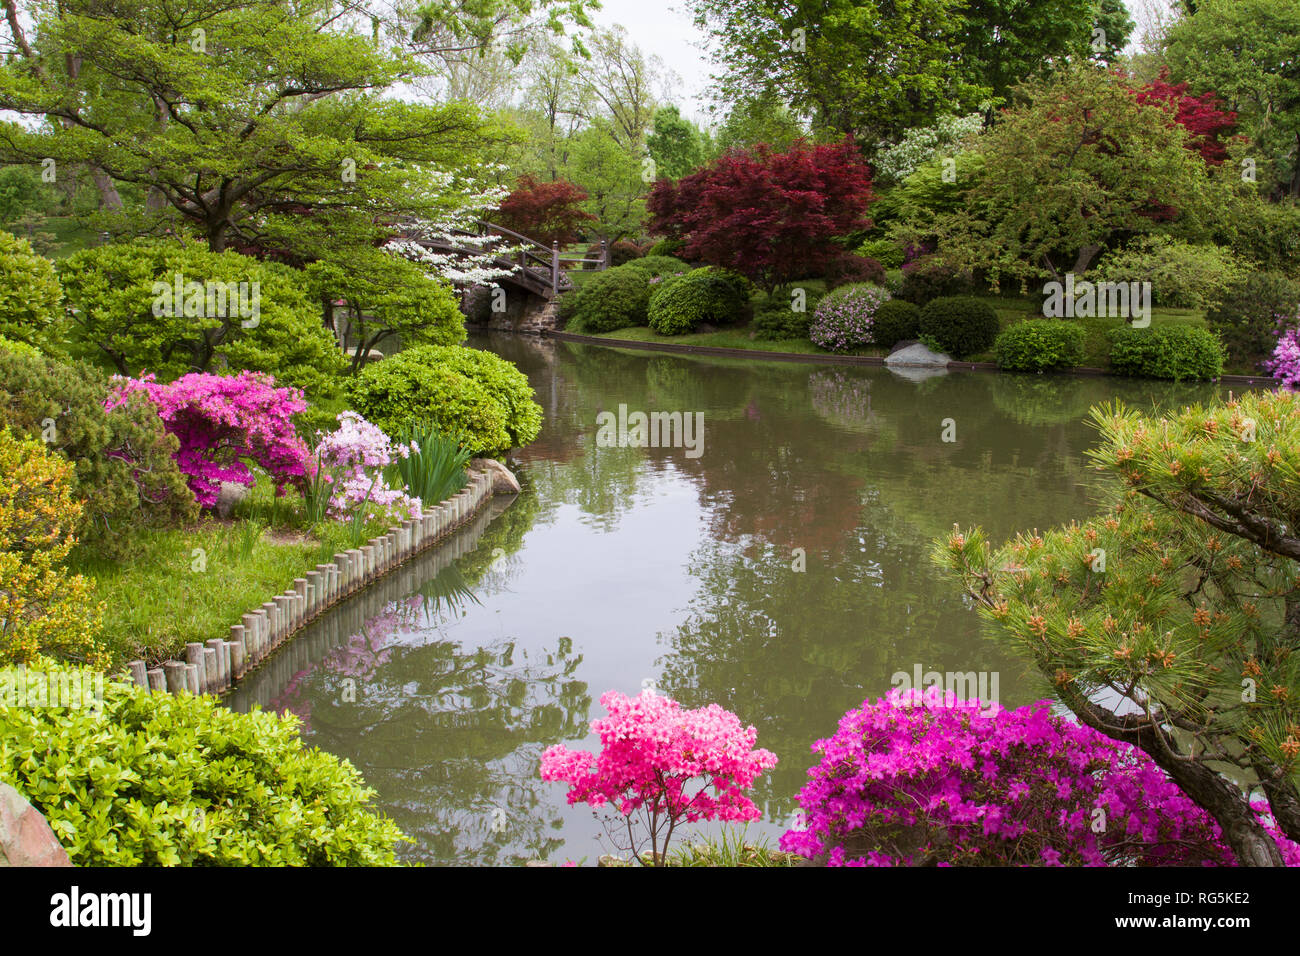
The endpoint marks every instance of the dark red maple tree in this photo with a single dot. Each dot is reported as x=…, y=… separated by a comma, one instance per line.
x=1202, y=115
x=546, y=211
x=767, y=215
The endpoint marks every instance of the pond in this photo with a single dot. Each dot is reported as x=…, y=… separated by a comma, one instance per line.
x=780, y=568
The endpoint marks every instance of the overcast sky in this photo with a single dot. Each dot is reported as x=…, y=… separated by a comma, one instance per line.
x=662, y=27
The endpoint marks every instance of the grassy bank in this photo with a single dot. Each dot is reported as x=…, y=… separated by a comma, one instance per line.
x=1009, y=310
x=191, y=584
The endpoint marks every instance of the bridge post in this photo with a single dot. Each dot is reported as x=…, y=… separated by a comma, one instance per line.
x=604, y=255
x=555, y=268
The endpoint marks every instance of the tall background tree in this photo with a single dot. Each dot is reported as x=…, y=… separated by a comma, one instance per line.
x=1246, y=52
x=873, y=70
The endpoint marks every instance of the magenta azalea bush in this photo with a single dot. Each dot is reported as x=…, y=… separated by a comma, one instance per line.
x=843, y=320
x=350, y=461
x=919, y=779
x=1285, y=363
x=667, y=764
x=223, y=421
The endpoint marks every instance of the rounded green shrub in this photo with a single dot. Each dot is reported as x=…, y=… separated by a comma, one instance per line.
x=1037, y=345
x=1174, y=352
x=1182, y=275
x=667, y=247
x=712, y=295
x=122, y=295
x=777, y=321
x=125, y=472
x=460, y=391
x=614, y=299
x=962, y=325
x=30, y=294
x=620, y=253
x=1246, y=318
x=176, y=780
x=896, y=321
x=660, y=265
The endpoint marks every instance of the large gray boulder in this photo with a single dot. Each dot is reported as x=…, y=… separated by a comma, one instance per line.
x=25, y=838
x=503, y=480
x=916, y=355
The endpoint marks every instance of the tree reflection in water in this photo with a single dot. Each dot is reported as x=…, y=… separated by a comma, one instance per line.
x=450, y=736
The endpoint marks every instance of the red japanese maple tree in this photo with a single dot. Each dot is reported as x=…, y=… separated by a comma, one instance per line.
x=769, y=216
x=547, y=212
x=1201, y=115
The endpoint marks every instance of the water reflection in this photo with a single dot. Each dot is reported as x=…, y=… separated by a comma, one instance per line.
x=784, y=574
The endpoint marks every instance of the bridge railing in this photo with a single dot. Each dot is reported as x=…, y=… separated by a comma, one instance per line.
x=542, y=264
x=547, y=260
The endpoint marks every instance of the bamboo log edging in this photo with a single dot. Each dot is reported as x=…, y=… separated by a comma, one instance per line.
x=218, y=665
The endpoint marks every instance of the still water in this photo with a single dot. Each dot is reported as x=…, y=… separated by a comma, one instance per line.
x=781, y=570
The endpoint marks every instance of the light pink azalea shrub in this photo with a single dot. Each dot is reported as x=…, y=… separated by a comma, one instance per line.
x=352, y=460
x=844, y=317
x=663, y=765
x=224, y=421
x=919, y=779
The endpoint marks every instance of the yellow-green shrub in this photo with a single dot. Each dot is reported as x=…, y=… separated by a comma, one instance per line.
x=44, y=610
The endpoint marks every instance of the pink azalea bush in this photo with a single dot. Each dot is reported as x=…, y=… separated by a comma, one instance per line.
x=223, y=420
x=666, y=763
x=353, y=458
x=1285, y=363
x=919, y=779
x=845, y=316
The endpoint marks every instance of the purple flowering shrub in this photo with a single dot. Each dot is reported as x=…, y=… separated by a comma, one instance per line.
x=1285, y=363
x=916, y=780
x=844, y=317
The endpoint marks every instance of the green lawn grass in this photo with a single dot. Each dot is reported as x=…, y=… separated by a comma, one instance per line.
x=191, y=584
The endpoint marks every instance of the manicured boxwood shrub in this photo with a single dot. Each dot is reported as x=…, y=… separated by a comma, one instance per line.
x=660, y=265
x=667, y=247
x=458, y=391
x=30, y=294
x=164, y=780
x=1167, y=351
x=615, y=299
x=961, y=325
x=1037, y=345
x=844, y=319
x=1246, y=319
x=125, y=471
x=780, y=321
x=849, y=269
x=682, y=303
x=896, y=321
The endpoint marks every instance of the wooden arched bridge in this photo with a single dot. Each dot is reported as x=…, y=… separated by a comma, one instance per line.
x=534, y=266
